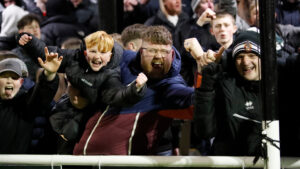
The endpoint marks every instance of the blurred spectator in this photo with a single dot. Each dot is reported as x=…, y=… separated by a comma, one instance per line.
x=60, y=23
x=131, y=37
x=31, y=24
x=12, y=13
x=172, y=17
x=287, y=12
x=117, y=38
x=86, y=14
x=239, y=9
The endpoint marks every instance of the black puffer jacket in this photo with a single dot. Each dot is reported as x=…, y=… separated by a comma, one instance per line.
x=228, y=108
x=17, y=115
x=104, y=86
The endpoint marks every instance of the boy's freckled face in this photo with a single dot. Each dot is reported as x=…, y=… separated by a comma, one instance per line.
x=10, y=84
x=97, y=59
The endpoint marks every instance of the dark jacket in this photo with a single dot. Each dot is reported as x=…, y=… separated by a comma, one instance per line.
x=68, y=121
x=103, y=86
x=138, y=129
x=31, y=63
x=288, y=13
x=228, y=109
x=17, y=115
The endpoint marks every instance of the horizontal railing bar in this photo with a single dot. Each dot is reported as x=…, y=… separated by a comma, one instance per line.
x=144, y=161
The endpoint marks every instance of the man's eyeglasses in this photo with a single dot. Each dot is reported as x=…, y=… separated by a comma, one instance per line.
x=154, y=52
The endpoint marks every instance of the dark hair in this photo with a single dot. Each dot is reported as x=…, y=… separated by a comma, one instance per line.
x=222, y=13
x=132, y=32
x=157, y=35
x=18, y=2
x=28, y=19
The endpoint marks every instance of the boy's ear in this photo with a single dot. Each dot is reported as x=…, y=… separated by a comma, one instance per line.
x=131, y=46
x=211, y=31
x=21, y=80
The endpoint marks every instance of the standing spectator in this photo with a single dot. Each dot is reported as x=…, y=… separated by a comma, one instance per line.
x=239, y=9
x=172, y=17
x=31, y=24
x=131, y=37
x=287, y=12
x=223, y=28
x=60, y=23
x=227, y=106
x=137, y=130
x=86, y=14
x=12, y=13
x=18, y=108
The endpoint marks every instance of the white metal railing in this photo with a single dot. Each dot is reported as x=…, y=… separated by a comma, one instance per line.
x=142, y=161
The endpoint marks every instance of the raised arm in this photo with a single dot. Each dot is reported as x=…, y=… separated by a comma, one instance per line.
x=35, y=49
x=50, y=64
x=202, y=58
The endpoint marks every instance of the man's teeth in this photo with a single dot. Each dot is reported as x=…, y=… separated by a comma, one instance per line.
x=9, y=88
x=157, y=63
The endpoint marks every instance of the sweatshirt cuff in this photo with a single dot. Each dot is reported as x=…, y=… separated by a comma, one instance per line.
x=198, y=80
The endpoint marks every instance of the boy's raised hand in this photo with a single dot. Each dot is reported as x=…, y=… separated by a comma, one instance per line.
x=207, y=16
x=24, y=39
x=202, y=58
x=141, y=81
x=51, y=64
x=193, y=46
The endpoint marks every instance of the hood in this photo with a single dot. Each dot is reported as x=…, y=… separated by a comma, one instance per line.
x=117, y=53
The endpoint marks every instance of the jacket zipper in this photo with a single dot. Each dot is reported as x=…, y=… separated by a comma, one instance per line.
x=133, y=132
x=90, y=136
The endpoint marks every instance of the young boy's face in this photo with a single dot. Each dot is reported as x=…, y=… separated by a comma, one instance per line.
x=97, y=59
x=10, y=84
x=223, y=29
x=33, y=28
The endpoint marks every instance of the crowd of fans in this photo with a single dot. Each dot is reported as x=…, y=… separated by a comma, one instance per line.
x=67, y=87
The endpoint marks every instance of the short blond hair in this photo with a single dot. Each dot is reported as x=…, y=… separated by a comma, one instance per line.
x=104, y=41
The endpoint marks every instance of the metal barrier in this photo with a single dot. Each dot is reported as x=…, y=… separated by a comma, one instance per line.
x=142, y=161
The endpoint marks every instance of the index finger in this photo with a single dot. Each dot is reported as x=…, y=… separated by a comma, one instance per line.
x=218, y=55
x=46, y=51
